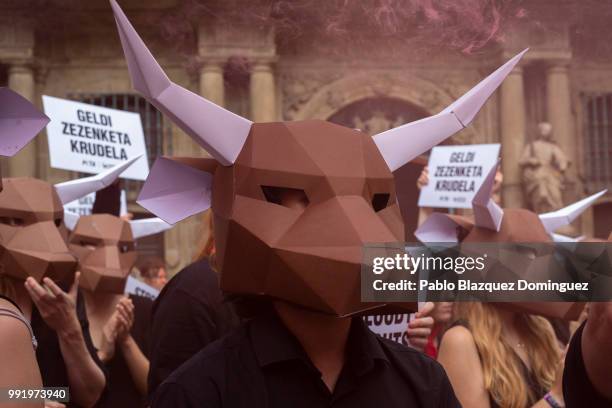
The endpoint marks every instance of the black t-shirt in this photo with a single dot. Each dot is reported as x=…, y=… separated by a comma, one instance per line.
x=121, y=390
x=261, y=364
x=49, y=355
x=578, y=391
x=188, y=314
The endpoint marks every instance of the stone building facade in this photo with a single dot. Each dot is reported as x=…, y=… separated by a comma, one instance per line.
x=70, y=49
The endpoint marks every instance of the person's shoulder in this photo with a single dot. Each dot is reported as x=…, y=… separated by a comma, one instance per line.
x=205, y=373
x=196, y=282
x=458, y=338
x=12, y=330
x=413, y=362
x=212, y=360
x=193, y=278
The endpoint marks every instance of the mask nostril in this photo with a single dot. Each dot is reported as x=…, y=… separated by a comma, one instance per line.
x=380, y=201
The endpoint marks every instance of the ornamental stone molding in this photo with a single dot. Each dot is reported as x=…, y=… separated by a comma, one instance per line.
x=320, y=100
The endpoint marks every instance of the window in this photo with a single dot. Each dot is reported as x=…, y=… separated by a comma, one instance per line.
x=598, y=140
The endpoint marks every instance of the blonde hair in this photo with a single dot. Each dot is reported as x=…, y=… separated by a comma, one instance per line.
x=502, y=371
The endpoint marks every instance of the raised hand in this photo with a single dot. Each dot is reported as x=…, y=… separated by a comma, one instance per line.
x=420, y=327
x=125, y=318
x=56, y=307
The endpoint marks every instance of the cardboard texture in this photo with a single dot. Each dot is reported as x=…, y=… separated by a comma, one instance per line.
x=402, y=144
x=20, y=122
x=103, y=242
x=30, y=242
x=71, y=190
x=492, y=224
x=106, y=249
x=311, y=255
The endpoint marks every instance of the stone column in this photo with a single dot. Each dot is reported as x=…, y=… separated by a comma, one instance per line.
x=263, y=91
x=512, y=112
x=558, y=105
x=21, y=80
x=211, y=81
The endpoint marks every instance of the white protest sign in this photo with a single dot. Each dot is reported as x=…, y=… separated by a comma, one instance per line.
x=90, y=139
x=392, y=327
x=136, y=287
x=84, y=205
x=456, y=173
x=81, y=206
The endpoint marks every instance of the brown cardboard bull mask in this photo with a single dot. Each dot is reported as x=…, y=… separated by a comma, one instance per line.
x=105, y=246
x=490, y=223
x=31, y=214
x=308, y=254
x=30, y=242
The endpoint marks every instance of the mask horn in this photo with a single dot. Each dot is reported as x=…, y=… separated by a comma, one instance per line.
x=219, y=131
x=70, y=220
x=148, y=226
x=400, y=145
x=557, y=219
x=487, y=214
x=73, y=189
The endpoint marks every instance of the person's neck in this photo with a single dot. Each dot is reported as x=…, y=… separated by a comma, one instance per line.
x=323, y=338
x=100, y=302
x=509, y=327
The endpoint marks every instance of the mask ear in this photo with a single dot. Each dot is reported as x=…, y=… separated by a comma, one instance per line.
x=441, y=227
x=20, y=121
x=178, y=188
x=70, y=220
x=148, y=226
x=487, y=214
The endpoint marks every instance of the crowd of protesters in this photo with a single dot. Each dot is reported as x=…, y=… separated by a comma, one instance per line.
x=66, y=322
x=128, y=351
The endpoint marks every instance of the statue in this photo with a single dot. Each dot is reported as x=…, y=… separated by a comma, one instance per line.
x=544, y=164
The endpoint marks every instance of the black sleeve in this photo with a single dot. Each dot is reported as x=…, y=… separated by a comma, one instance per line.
x=172, y=394
x=141, y=330
x=448, y=399
x=578, y=391
x=182, y=326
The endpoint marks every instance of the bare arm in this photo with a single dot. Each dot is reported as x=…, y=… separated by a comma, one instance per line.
x=19, y=366
x=136, y=361
x=459, y=357
x=58, y=310
x=597, y=342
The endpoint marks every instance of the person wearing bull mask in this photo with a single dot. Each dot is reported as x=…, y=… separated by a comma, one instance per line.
x=17, y=340
x=588, y=371
x=38, y=269
x=105, y=244
x=294, y=204
x=503, y=354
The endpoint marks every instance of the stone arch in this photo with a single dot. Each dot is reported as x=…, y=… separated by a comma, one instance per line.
x=422, y=94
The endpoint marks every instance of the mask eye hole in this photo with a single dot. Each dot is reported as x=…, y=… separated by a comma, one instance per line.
x=125, y=247
x=285, y=196
x=88, y=244
x=58, y=222
x=380, y=201
x=12, y=221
